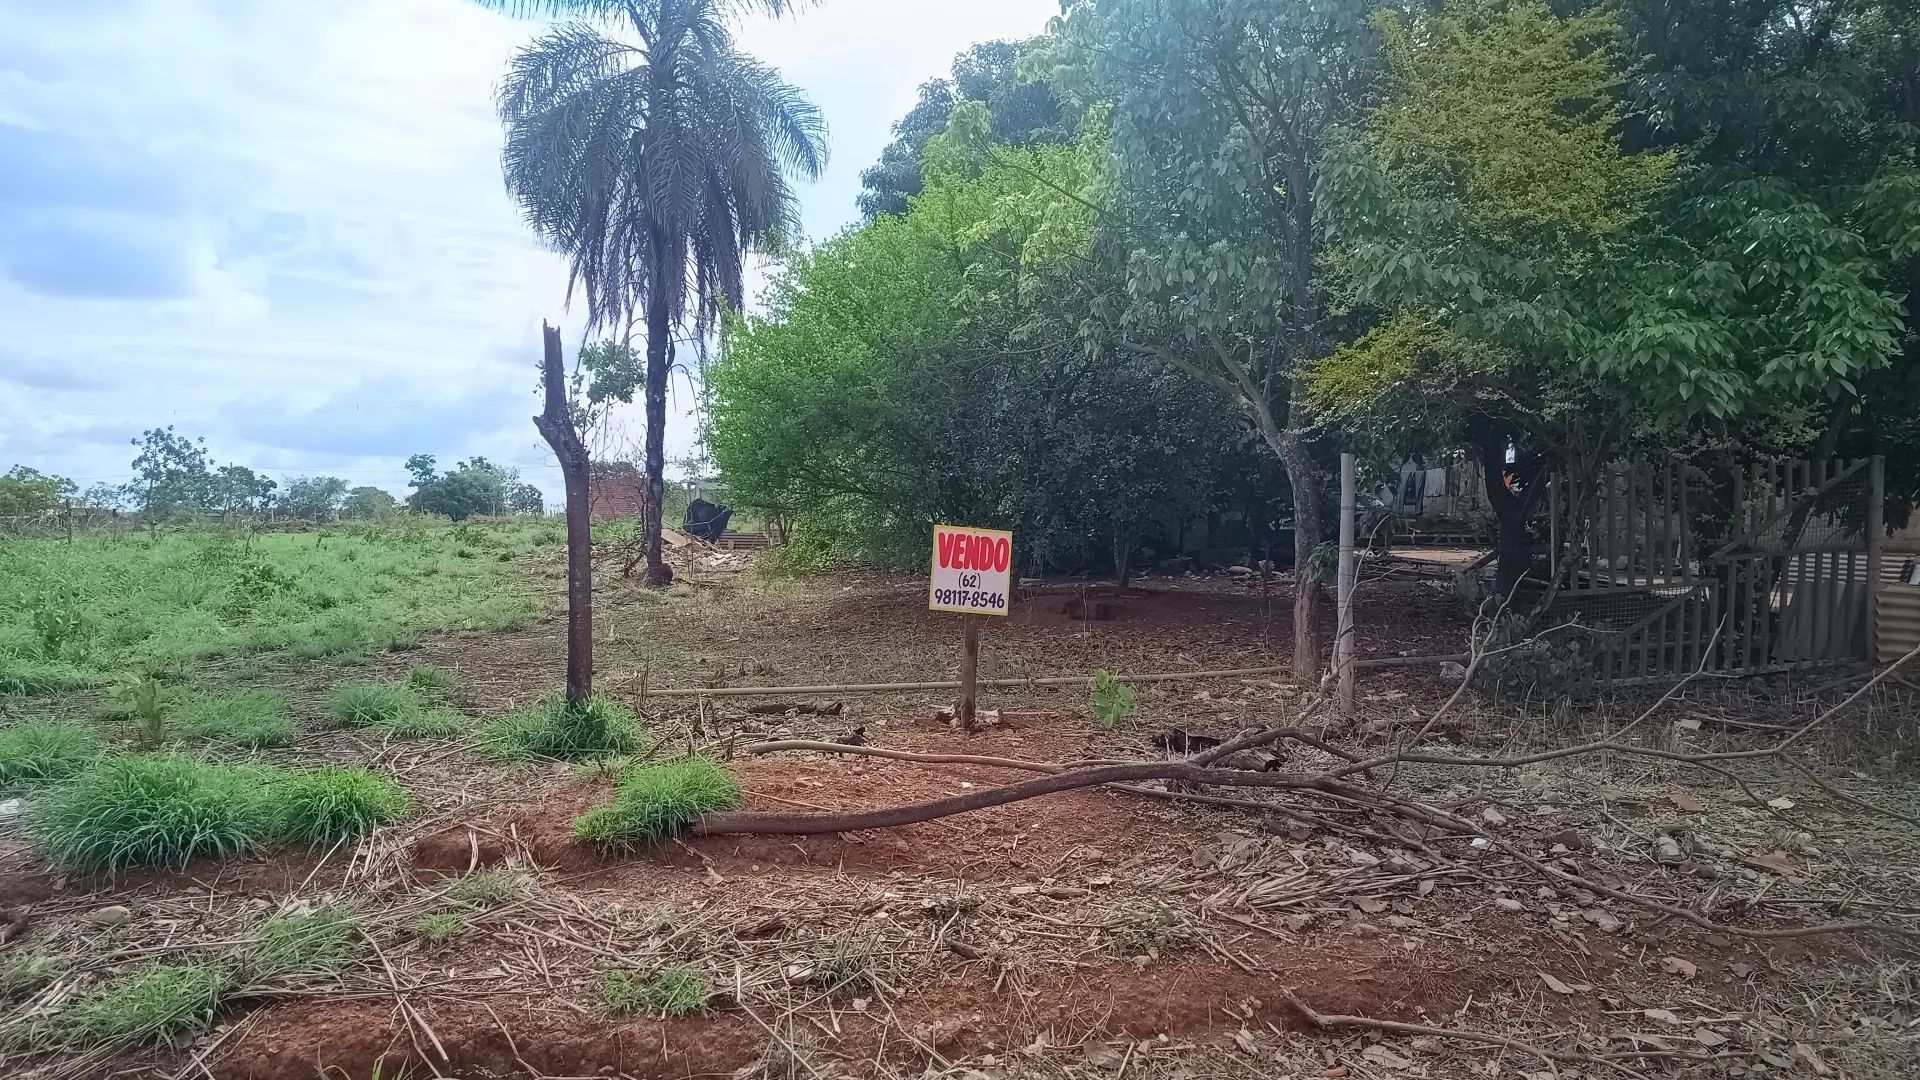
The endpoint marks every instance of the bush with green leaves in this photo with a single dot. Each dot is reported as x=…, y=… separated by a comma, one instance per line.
x=597, y=727
x=249, y=719
x=36, y=751
x=158, y=1002
x=153, y=810
x=321, y=807
x=658, y=801
x=1110, y=699
x=320, y=941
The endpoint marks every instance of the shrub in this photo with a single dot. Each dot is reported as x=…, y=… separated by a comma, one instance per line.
x=654, y=802
x=438, y=926
x=1110, y=699
x=318, y=942
x=141, y=699
x=163, y=1001
x=677, y=991
x=35, y=751
x=250, y=719
x=320, y=807
x=596, y=727
x=366, y=704
x=151, y=810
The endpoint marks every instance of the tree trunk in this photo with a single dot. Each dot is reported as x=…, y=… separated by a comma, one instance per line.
x=1123, y=557
x=659, y=361
x=555, y=423
x=1304, y=479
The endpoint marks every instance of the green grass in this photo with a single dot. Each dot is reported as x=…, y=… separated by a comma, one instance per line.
x=431, y=684
x=72, y=615
x=159, y=1002
x=438, y=926
x=620, y=993
x=152, y=810
x=488, y=888
x=321, y=807
x=653, y=802
x=249, y=719
x=318, y=942
x=677, y=991
x=598, y=727
x=426, y=724
x=36, y=751
x=23, y=971
x=367, y=704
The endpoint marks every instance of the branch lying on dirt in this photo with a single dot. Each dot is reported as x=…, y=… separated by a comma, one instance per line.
x=1325, y=1021
x=1195, y=771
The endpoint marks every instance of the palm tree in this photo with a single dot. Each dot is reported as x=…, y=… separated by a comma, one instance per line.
x=656, y=160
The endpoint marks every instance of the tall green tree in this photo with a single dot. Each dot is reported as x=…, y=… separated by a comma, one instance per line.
x=1220, y=110
x=654, y=153
x=367, y=502
x=238, y=489
x=1023, y=112
x=314, y=498
x=25, y=490
x=171, y=475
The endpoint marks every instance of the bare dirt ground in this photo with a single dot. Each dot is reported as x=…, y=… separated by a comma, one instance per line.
x=1092, y=933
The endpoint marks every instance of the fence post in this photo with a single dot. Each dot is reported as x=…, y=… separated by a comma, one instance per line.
x=69, y=517
x=1876, y=539
x=1343, y=638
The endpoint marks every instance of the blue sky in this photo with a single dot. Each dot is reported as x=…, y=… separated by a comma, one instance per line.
x=279, y=224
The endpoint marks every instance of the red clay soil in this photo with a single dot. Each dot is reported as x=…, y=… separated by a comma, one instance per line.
x=1029, y=838
x=973, y=1012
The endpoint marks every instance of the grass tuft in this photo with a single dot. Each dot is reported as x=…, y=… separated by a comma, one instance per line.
x=158, y=810
x=160, y=1002
x=654, y=802
x=431, y=684
x=620, y=993
x=438, y=926
x=24, y=971
x=677, y=991
x=36, y=751
x=597, y=727
x=368, y=704
x=425, y=724
x=321, y=807
x=318, y=942
x=250, y=718
x=488, y=888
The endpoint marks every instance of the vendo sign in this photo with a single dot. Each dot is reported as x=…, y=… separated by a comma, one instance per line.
x=972, y=570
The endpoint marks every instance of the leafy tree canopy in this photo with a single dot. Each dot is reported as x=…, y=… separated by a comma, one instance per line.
x=25, y=490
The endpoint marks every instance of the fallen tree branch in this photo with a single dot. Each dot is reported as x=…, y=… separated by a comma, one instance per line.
x=1328, y=1021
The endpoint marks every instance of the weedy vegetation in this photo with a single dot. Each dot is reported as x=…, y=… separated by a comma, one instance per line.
x=36, y=751
x=248, y=719
x=595, y=728
x=658, y=801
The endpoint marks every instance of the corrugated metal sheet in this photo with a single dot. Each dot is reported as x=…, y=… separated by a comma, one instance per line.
x=1899, y=621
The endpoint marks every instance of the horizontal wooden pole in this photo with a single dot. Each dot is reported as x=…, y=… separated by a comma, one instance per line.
x=1044, y=680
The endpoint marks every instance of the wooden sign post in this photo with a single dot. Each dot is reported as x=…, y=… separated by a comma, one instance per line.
x=972, y=575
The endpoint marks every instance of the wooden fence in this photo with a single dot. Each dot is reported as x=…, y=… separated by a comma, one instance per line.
x=1675, y=568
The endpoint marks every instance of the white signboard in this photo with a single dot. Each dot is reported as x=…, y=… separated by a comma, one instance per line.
x=972, y=570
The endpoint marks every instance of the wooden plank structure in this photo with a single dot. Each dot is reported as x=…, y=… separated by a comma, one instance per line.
x=1770, y=567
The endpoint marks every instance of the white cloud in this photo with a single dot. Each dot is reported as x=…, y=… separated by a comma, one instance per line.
x=281, y=224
